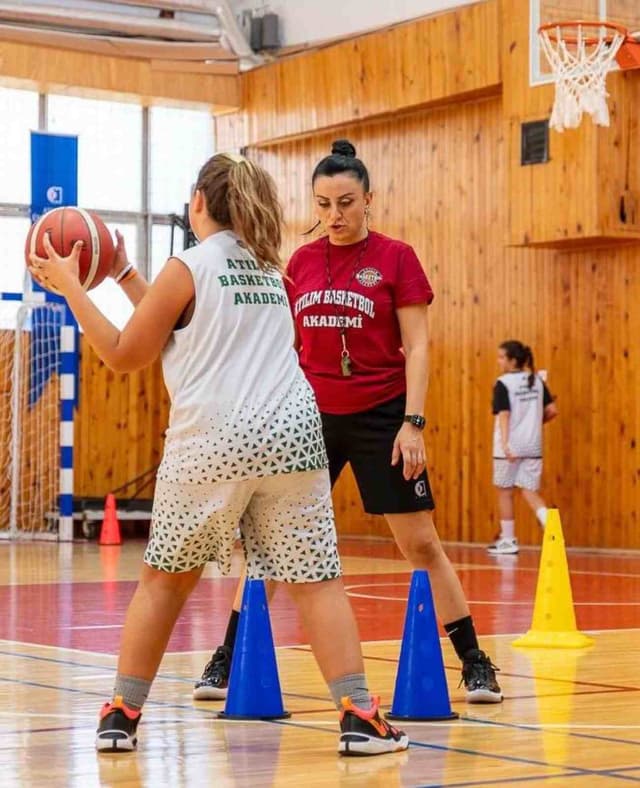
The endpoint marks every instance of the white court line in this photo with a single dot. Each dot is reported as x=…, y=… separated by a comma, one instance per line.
x=97, y=626
x=33, y=646
x=499, y=636
x=349, y=588
x=92, y=677
x=502, y=565
x=432, y=723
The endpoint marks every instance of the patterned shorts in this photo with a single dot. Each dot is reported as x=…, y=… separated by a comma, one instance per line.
x=524, y=473
x=286, y=523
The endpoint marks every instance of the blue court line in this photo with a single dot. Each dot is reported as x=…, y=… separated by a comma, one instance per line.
x=503, y=781
x=457, y=669
x=423, y=745
x=518, y=726
x=512, y=780
x=212, y=713
x=570, y=770
x=539, y=729
x=110, y=669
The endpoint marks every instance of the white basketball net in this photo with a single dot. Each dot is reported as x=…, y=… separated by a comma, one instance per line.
x=580, y=69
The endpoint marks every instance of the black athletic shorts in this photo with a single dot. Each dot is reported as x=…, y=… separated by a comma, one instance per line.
x=365, y=441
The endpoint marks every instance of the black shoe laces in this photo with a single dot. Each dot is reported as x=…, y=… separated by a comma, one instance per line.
x=480, y=668
x=218, y=660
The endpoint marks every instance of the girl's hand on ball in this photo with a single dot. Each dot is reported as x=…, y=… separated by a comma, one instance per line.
x=54, y=271
x=120, y=259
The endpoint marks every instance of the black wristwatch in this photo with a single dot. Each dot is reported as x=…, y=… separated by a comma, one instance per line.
x=417, y=421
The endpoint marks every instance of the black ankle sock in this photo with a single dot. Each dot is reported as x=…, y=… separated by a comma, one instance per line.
x=232, y=628
x=463, y=636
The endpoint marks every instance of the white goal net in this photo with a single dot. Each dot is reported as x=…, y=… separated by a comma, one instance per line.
x=30, y=335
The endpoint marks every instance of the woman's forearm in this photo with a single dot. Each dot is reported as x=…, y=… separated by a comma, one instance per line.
x=417, y=374
x=135, y=288
x=503, y=421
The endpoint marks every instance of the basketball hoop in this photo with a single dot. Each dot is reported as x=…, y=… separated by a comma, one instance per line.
x=580, y=55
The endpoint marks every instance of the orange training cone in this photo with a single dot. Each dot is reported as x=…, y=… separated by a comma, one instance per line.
x=554, y=619
x=110, y=530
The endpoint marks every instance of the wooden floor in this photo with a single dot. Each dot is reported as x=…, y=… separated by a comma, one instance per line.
x=568, y=717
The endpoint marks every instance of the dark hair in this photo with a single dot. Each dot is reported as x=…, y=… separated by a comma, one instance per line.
x=343, y=159
x=522, y=355
x=241, y=195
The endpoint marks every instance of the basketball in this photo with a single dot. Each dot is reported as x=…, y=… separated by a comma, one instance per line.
x=66, y=226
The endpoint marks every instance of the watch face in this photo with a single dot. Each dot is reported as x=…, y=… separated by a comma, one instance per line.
x=417, y=421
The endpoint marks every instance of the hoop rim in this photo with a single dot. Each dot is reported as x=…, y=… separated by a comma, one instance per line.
x=614, y=27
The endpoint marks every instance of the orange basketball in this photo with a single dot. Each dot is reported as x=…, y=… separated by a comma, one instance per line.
x=68, y=225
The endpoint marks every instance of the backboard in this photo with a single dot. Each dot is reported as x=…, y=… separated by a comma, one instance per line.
x=624, y=12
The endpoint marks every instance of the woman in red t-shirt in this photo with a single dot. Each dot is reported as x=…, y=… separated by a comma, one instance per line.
x=359, y=301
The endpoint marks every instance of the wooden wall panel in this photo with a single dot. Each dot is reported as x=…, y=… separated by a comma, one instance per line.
x=434, y=60
x=62, y=70
x=119, y=427
x=439, y=178
x=575, y=196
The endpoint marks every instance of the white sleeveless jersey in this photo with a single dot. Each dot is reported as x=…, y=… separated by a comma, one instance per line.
x=526, y=406
x=240, y=405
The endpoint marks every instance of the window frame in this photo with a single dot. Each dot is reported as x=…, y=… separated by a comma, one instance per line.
x=144, y=219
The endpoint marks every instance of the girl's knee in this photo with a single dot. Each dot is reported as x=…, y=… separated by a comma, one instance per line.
x=178, y=583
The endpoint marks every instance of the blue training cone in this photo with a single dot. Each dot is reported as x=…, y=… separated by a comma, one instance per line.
x=254, y=687
x=421, y=692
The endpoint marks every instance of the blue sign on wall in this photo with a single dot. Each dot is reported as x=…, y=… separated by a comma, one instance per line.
x=54, y=172
x=54, y=183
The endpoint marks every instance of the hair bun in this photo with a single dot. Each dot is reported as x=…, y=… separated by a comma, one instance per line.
x=343, y=148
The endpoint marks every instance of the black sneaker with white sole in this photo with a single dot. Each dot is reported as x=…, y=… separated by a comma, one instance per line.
x=214, y=682
x=117, y=728
x=479, y=678
x=364, y=732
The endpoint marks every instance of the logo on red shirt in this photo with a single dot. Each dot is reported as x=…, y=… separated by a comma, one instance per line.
x=369, y=277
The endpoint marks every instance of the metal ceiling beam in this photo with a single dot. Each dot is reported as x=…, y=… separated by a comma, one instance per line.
x=107, y=22
x=196, y=6
x=116, y=46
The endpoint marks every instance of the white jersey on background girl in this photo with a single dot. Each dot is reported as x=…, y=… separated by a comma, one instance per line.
x=526, y=410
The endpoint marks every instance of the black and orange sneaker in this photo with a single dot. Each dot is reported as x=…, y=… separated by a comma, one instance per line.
x=366, y=733
x=117, y=728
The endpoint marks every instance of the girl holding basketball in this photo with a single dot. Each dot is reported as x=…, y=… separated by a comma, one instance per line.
x=522, y=403
x=360, y=303
x=244, y=445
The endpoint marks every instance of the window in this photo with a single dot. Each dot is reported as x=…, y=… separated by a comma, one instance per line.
x=111, y=168
x=109, y=149
x=181, y=141
x=161, y=246
x=108, y=296
x=19, y=113
x=13, y=232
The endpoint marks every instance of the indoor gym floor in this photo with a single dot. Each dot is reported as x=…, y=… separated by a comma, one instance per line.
x=567, y=716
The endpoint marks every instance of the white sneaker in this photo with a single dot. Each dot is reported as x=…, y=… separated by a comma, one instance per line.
x=503, y=547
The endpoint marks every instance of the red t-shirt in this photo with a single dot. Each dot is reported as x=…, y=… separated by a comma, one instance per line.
x=365, y=292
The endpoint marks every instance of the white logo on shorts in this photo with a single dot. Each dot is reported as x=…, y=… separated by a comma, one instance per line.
x=421, y=489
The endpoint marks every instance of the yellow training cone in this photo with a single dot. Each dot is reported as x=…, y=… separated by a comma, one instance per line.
x=554, y=620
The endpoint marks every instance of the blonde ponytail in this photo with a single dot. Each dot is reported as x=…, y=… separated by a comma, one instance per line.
x=241, y=195
x=256, y=214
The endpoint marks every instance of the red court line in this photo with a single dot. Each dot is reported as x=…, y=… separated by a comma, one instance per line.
x=89, y=615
